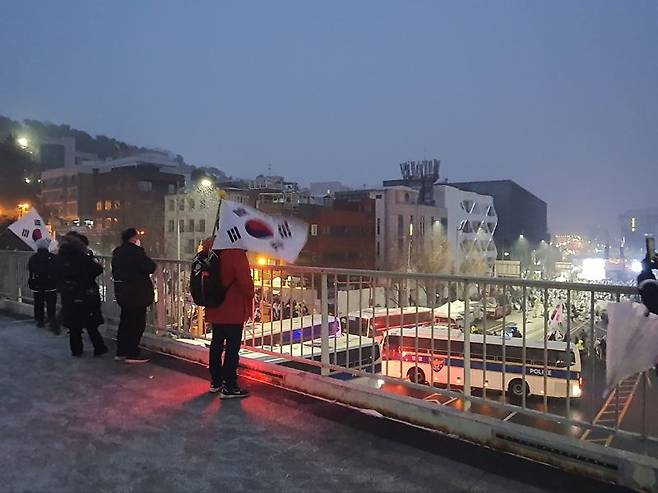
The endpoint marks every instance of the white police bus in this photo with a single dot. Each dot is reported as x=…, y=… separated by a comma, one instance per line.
x=500, y=365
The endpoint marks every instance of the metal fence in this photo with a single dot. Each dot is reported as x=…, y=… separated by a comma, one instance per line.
x=526, y=352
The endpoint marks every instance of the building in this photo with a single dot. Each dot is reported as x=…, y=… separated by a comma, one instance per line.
x=634, y=226
x=403, y=226
x=132, y=196
x=68, y=195
x=521, y=214
x=62, y=153
x=109, y=195
x=190, y=215
x=57, y=153
x=469, y=226
x=340, y=235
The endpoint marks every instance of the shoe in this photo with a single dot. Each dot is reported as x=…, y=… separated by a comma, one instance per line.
x=41, y=325
x=215, y=388
x=100, y=352
x=76, y=355
x=137, y=359
x=119, y=358
x=234, y=393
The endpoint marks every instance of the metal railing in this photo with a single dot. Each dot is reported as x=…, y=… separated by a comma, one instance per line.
x=477, y=344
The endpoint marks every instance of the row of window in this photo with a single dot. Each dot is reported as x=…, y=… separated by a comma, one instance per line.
x=191, y=224
x=191, y=204
x=108, y=205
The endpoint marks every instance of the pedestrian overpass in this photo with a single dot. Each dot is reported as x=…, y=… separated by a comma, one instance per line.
x=571, y=434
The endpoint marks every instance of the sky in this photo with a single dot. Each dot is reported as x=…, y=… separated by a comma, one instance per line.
x=559, y=96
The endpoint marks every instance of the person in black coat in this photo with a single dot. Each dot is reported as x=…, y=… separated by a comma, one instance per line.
x=131, y=270
x=77, y=273
x=648, y=286
x=42, y=268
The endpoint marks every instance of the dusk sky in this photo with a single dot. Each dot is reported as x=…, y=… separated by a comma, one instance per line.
x=560, y=96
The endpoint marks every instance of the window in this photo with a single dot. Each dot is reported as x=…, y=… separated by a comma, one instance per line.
x=108, y=205
x=99, y=205
x=144, y=186
x=181, y=204
x=314, y=229
x=191, y=204
x=172, y=226
x=379, y=223
x=202, y=226
x=172, y=205
x=400, y=226
x=190, y=225
x=189, y=247
x=116, y=204
x=379, y=250
x=202, y=204
x=181, y=225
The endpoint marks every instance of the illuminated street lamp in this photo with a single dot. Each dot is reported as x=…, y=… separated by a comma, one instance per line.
x=23, y=142
x=22, y=209
x=206, y=183
x=261, y=261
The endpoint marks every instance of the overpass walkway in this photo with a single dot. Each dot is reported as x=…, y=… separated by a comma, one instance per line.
x=92, y=424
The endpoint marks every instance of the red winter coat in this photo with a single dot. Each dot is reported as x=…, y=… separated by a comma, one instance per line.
x=239, y=303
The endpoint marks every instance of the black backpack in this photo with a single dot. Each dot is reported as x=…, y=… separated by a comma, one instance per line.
x=206, y=284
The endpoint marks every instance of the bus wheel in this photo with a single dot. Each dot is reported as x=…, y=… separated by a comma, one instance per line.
x=416, y=375
x=517, y=388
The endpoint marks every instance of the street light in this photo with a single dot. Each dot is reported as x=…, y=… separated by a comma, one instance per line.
x=23, y=142
x=206, y=183
x=22, y=208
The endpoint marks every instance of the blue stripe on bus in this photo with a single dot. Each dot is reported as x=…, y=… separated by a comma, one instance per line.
x=492, y=366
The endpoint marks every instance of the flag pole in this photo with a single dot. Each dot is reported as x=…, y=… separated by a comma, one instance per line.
x=222, y=196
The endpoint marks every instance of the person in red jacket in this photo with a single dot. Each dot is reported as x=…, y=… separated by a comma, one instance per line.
x=228, y=321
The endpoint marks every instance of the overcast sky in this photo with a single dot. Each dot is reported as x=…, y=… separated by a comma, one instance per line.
x=560, y=96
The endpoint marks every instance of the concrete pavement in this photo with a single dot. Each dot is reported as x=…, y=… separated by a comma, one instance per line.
x=92, y=424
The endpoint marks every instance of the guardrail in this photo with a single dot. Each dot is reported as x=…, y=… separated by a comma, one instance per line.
x=478, y=345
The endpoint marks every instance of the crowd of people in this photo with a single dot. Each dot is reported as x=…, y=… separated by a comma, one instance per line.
x=73, y=270
x=277, y=309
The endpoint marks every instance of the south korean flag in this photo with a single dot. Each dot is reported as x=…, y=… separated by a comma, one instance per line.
x=246, y=228
x=30, y=228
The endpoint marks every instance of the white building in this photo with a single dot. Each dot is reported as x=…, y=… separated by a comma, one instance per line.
x=471, y=223
x=190, y=217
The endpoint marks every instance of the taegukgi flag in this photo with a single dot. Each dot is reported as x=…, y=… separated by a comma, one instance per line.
x=30, y=228
x=243, y=227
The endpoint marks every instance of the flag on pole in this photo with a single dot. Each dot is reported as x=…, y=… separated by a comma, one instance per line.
x=632, y=341
x=30, y=228
x=243, y=227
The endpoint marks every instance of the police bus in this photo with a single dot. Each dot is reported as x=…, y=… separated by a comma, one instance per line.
x=374, y=322
x=301, y=337
x=435, y=359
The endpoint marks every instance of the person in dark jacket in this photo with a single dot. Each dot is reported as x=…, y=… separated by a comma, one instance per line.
x=131, y=270
x=648, y=286
x=42, y=267
x=77, y=273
